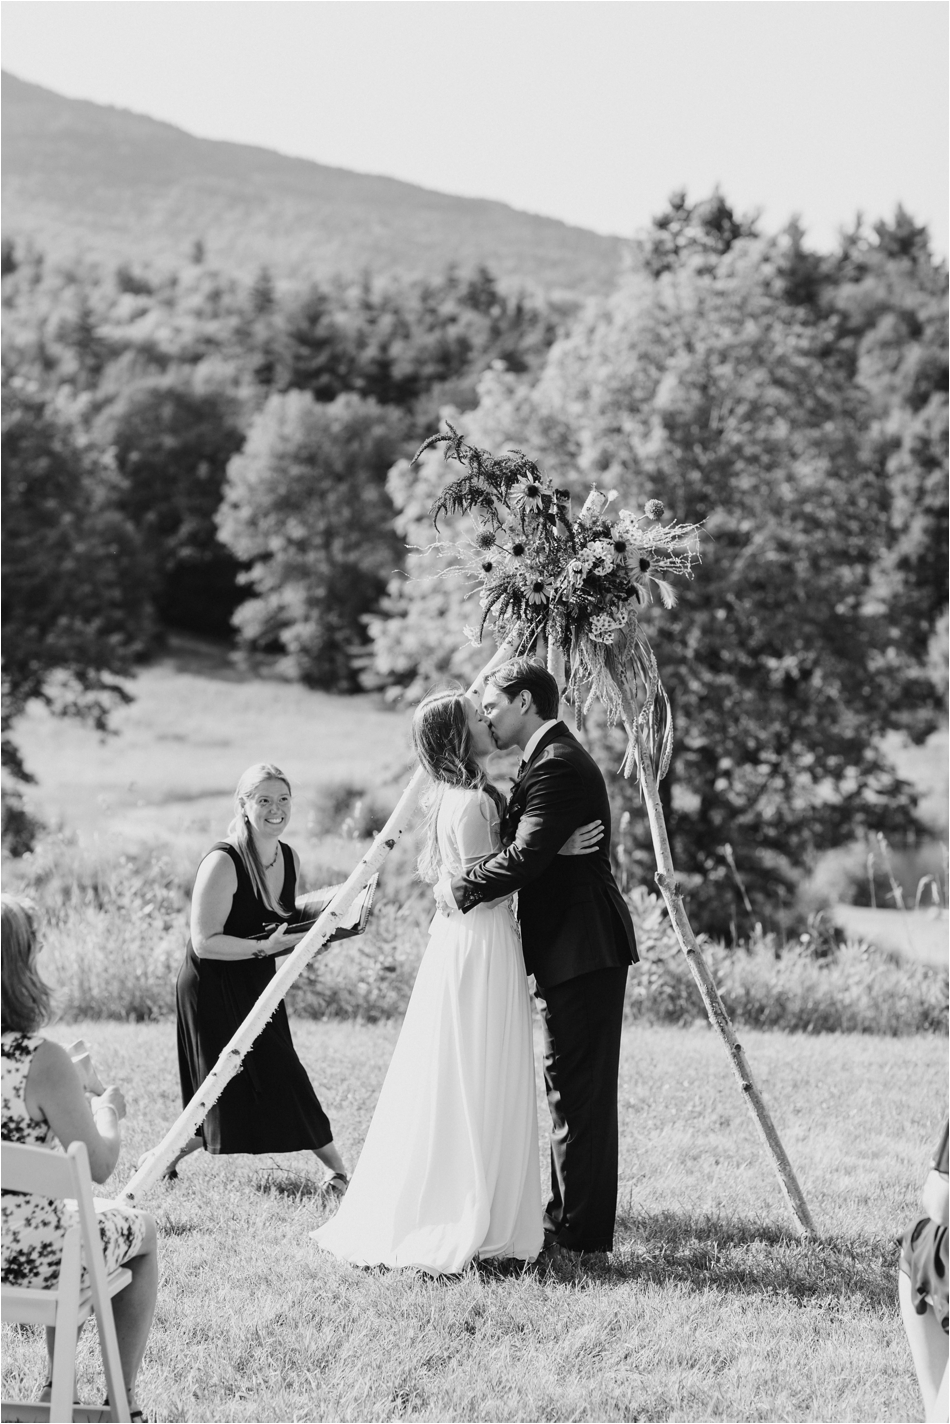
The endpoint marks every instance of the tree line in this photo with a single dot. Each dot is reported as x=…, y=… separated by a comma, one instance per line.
x=183, y=450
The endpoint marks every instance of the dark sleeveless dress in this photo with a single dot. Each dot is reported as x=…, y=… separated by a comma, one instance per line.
x=270, y=1106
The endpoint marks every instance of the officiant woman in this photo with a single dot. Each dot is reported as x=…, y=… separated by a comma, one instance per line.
x=245, y=884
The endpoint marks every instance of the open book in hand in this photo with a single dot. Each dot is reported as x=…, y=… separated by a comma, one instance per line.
x=311, y=906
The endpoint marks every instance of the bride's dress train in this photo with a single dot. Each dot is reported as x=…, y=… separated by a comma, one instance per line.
x=450, y=1168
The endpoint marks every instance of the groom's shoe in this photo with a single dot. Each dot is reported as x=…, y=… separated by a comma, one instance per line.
x=563, y=1242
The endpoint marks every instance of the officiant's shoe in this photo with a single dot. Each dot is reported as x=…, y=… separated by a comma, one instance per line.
x=335, y=1186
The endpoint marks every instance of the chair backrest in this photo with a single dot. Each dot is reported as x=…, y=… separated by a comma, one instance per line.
x=47, y=1173
x=53, y=1174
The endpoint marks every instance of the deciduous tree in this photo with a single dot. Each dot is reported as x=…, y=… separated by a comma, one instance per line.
x=305, y=506
x=171, y=442
x=75, y=606
x=705, y=387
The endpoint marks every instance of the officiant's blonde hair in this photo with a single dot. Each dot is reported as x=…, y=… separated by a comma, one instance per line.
x=443, y=744
x=239, y=831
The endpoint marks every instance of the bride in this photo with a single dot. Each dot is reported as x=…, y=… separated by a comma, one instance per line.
x=449, y=1172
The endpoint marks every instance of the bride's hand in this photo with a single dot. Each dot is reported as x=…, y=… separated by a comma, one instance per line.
x=584, y=840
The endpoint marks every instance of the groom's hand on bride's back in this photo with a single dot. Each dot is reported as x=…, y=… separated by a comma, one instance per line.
x=585, y=840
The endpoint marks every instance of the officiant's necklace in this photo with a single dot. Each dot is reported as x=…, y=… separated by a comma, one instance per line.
x=270, y=864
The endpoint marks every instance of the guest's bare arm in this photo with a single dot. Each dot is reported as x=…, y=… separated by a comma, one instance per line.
x=54, y=1093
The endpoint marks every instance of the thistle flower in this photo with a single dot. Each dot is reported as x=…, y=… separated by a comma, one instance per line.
x=653, y=509
x=485, y=539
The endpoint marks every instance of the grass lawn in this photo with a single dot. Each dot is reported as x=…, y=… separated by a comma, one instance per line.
x=709, y=1309
x=196, y=722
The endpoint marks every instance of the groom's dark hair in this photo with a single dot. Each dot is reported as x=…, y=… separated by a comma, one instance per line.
x=528, y=675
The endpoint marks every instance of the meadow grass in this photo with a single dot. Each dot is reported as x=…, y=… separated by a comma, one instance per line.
x=710, y=1308
x=197, y=720
x=115, y=923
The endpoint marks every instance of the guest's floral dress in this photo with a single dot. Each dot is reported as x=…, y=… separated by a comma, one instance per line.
x=34, y=1226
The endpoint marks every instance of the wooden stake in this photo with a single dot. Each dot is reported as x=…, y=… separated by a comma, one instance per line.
x=715, y=1008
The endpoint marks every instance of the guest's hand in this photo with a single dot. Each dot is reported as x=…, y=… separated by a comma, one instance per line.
x=111, y=1098
x=584, y=840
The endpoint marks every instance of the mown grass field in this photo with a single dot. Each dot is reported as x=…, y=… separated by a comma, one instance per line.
x=196, y=722
x=709, y=1309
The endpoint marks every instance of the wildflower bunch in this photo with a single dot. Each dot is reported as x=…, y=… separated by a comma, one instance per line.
x=577, y=584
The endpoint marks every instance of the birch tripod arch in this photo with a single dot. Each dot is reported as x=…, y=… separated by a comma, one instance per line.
x=570, y=590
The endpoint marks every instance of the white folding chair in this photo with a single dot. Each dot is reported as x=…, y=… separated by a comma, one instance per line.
x=67, y=1304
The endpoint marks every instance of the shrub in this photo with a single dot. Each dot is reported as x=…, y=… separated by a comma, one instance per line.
x=341, y=808
x=366, y=978
x=846, y=874
x=851, y=988
x=20, y=826
x=115, y=923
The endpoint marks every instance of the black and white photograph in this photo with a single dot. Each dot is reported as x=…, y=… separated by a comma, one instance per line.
x=475, y=710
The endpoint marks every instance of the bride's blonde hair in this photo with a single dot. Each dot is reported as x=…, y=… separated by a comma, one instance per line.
x=443, y=745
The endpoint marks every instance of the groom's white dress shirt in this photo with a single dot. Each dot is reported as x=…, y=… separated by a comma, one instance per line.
x=536, y=737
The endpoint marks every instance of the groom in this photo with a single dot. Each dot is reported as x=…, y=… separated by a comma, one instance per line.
x=577, y=936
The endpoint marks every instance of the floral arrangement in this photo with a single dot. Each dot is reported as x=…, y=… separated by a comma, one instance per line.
x=573, y=585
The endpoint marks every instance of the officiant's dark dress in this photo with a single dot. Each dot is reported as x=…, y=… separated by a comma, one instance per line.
x=270, y=1106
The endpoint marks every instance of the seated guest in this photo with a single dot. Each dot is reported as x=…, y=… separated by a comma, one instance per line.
x=246, y=885
x=922, y=1286
x=44, y=1103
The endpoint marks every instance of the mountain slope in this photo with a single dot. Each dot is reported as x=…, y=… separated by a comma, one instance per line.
x=80, y=177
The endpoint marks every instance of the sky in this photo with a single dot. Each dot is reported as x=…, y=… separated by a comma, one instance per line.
x=592, y=111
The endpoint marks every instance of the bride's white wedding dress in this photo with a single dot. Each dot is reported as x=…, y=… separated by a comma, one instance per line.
x=450, y=1168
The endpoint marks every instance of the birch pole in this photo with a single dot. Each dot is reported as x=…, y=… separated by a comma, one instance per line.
x=715, y=1008
x=314, y=942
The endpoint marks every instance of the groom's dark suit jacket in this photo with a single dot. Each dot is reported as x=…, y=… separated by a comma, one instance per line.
x=573, y=916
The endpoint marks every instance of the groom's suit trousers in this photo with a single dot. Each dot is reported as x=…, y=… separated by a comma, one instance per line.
x=582, y=1020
